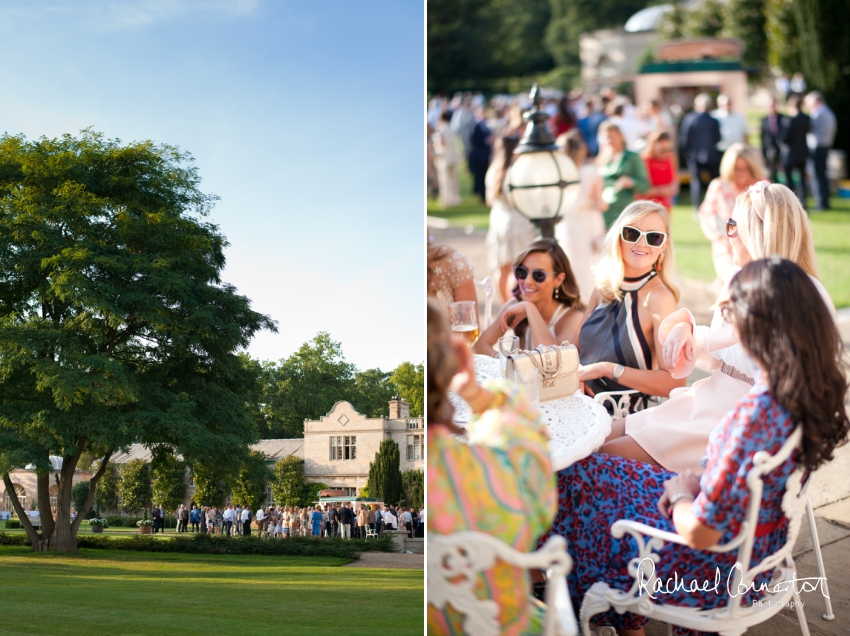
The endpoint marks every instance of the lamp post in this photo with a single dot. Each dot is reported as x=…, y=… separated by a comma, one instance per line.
x=542, y=181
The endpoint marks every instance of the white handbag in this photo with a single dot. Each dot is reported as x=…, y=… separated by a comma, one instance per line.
x=556, y=367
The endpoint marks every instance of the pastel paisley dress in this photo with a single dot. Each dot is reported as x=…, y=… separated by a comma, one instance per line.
x=501, y=483
x=599, y=490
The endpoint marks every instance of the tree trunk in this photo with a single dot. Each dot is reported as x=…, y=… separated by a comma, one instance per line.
x=44, y=511
x=38, y=544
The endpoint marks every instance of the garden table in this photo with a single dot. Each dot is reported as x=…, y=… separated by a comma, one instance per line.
x=578, y=425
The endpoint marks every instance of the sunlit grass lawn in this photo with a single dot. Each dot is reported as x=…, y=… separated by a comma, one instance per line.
x=132, y=593
x=831, y=231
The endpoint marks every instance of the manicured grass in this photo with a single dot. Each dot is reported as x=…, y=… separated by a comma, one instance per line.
x=141, y=594
x=831, y=231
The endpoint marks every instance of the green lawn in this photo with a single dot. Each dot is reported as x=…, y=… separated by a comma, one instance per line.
x=112, y=592
x=831, y=232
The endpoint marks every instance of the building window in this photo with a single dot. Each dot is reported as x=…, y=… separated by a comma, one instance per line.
x=411, y=424
x=350, y=492
x=414, y=447
x=343, y=447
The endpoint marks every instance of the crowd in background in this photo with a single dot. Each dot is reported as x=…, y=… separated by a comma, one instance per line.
x=323, y=520
x=623, y=153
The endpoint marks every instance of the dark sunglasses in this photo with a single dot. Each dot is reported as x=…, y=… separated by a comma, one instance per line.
x=731, y=228
x=539, y=275
x=632, y=235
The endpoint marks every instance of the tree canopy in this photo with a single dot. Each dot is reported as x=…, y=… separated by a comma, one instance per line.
x=115, y=324
x=307, y=384
x=249, y=486
x=385, y=480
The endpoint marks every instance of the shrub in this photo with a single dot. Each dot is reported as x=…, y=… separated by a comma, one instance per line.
x=98, y=522
x=13, y=523
x=210, y=544
x=120, y=521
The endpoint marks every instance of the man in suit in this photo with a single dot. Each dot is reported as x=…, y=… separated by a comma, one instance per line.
x=699, y=135
x=823, y=131
x=795, y=151
x=772, y=128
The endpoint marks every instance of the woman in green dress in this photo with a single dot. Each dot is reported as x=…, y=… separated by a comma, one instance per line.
x=623, y=172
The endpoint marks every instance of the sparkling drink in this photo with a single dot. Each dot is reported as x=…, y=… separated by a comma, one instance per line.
x=469, y=333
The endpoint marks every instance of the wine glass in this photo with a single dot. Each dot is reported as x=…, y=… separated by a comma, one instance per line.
x=465, y=320
x=506, y=345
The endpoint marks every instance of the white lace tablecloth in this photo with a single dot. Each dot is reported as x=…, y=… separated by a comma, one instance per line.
x=577, y=425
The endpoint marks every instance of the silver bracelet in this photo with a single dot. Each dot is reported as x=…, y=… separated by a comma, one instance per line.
x=678, y=497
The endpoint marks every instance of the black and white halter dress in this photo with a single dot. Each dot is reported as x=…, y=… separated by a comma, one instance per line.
x=612, y=333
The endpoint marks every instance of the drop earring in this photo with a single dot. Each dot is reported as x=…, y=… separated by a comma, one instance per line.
x=556, y=293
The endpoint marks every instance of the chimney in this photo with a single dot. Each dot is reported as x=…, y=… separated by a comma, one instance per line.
x=399, y=409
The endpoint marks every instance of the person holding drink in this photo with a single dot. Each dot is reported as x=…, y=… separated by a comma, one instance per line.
x=546, y=307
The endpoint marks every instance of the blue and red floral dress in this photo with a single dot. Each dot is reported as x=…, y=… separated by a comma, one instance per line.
x=597, y=491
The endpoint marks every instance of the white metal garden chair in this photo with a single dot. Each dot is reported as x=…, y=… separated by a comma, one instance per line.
x=456, y=560
x=486, y=287
x=620, y=402
x=732, y=618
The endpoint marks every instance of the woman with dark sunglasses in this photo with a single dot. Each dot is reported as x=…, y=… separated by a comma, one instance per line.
x=767, y=220
x=545, y=308
x=618, y=340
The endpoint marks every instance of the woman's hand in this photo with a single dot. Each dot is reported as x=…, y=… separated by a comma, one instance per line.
x=595, y=371
x=513, y=315
x=682, y=484
x=464, y=382
x=679, y=342
x=624, y=183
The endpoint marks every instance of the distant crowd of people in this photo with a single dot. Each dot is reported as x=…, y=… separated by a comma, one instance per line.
x=328, y=520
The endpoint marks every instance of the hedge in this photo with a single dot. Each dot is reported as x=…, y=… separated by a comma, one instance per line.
x=13, y=523
x=212, y=544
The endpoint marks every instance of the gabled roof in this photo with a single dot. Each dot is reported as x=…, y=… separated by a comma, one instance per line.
x=273, y=449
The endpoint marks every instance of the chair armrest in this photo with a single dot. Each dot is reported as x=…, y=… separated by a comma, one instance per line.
x=641, y=530
x=619, y=400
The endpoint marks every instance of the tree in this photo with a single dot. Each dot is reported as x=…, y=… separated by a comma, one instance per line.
x=747, y=21
x=210, y=484
x=414, y=488
x=372, y=392
x=115, y=325
x=249, y=487
x=134, y=485
x=571, y=18
x=409, y=380
x=106, y=493
x=311, y=492
x=306, y=385
x=79, y=493
x=474, y=40
x=168, y=486
x=288, y=483
x=385, y=480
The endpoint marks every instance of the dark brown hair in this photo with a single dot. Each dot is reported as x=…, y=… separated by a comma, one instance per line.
x=442, y=366
x=786, y=326
x=503, y=156
x=568, y=293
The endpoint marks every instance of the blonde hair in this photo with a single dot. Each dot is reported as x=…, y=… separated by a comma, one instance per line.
x=741, y=151
x=785, y=231
x=606, y=153
x=610, y=272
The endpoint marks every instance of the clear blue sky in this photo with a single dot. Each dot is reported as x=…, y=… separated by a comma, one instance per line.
x=306, y=118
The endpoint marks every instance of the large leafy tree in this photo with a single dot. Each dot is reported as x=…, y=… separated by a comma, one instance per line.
x=249, y=487
x=115, y=325
x=306, y=385
x=167, y=484
x=473, y=42
x=106, y=493
x=409, y=380
x=211, y=484
x=372, y=392
x=385, y=480
x=134, y=485
x=288, y=483
x=413, y=482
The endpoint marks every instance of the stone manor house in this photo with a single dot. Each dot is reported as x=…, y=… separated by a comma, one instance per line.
x=336, y=450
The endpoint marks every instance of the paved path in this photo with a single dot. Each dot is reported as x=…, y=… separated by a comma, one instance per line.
x=389, y=560
x=829, y=491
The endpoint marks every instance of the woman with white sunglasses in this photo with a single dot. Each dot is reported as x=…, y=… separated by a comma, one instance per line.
x=618, y=341
x=767, y=220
